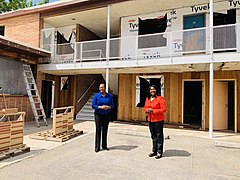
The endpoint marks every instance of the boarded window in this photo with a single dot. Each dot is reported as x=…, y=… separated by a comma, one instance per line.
x=152, y=26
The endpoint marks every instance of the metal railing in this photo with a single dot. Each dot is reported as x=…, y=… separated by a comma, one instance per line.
x=153, y=46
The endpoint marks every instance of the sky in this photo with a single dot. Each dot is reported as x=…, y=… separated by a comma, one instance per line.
x=35, y=1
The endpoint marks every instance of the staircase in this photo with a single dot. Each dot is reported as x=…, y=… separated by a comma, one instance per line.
x=87, y=112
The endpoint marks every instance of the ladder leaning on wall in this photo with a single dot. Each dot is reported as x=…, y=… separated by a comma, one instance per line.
x=33, y=95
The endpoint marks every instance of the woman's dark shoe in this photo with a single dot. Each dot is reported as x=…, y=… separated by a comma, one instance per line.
x=97, y=150
x=152, y=154
x=106, y=149
x=158, y=156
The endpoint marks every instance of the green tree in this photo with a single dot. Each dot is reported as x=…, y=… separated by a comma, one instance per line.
x=43, y=2
x=4, y=6
x=13, y=5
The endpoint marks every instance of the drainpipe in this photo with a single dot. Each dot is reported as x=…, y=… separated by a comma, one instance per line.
x=107, y=48
x=211, y=75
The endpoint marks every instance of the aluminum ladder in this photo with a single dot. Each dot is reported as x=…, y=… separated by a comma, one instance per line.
x=33, y=95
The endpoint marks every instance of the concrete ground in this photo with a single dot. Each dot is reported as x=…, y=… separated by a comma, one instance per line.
x=188, y=155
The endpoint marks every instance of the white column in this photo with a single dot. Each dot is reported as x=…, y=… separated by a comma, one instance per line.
x=211, y=75
x=107, y=48
x=75, y=52
x=211, y=101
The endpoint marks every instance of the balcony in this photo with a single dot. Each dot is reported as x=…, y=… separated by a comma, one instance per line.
x=170, y=48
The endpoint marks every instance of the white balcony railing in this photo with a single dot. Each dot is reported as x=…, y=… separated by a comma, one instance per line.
x=154, y=46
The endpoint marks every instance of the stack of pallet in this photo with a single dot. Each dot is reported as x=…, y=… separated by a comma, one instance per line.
x=11, y=130
x=62, y=126
x=63, y=121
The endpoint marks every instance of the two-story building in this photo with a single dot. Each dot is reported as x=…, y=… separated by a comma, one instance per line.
x=189, y=49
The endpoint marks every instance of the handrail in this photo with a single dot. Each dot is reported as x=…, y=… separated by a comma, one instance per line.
x=177, y=44
x=86, y=91
x=155, y=34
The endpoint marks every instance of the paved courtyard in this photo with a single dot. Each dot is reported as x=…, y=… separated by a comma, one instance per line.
x=188, y=155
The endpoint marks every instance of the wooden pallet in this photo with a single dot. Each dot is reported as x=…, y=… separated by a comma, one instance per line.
x=14, y=152
x=49, y=135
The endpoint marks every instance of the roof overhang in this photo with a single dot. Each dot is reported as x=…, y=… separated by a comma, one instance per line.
x=94, y=16
x=60, y=7
x=16, y=49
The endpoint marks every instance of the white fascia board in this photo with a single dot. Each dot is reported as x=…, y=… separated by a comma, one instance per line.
x=226, y=57
x=122, y=63
x=194, y=59
x=91, y=65
x=50, y=67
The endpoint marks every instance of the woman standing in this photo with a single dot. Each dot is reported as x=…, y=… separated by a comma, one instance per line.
x=155, y=107
x=103, y=104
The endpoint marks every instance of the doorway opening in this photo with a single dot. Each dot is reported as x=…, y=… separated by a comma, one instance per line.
x=224, y=105
x=48, y=97
x=193, y=103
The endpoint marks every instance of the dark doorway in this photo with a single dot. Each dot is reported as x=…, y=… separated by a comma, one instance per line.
x=231, y=107
x=192, y=103
x=47, y=97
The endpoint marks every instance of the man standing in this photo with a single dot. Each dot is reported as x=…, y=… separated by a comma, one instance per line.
x=103, y=104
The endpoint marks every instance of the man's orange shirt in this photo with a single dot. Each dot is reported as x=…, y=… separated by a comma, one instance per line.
x=158, y=105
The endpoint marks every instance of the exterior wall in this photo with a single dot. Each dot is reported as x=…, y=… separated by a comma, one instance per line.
x=129, y=28
x=127, y=109
x=24, y=28
x=83, y=34
x=77, y=87
x=20, y=102
x=63, y=98
x=11, y=79
x=40, y=76
x=84, y=82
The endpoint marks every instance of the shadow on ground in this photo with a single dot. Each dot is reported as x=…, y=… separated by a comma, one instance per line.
x=172, y=153
x=30, y=127
x=21, y=156
x=123, y=147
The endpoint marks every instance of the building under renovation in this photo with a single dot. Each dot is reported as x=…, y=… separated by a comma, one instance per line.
x=189, y=49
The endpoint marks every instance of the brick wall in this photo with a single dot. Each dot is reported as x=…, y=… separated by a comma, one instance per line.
x=24, y=28
x=20, y=102
x=83, y=82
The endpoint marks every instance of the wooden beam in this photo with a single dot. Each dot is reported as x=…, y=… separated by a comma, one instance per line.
x=24, y=49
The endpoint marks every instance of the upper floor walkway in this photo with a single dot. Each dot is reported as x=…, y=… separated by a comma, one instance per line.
x=189, y=46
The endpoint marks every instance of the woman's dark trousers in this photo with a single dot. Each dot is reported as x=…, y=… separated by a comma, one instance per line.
x=156, y=129
x=101, y=122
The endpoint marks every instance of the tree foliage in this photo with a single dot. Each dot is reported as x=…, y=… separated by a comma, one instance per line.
x=13, y=5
